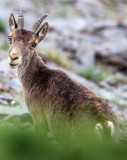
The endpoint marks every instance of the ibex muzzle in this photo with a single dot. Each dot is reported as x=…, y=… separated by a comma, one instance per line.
x=23, y=41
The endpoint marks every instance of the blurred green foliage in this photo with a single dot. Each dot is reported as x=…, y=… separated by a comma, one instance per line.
x=4, y=46
x=98, y=73
x=21, y=121
x=58, y=58
x=117, y=101
x=18, y=141
x=95, y=73
x=18, y=144
x=113, y=2
x=110, y=2
x=1, y=78
x=120, y=79
x=2, y=25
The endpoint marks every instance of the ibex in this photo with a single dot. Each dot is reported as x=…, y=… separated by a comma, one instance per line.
x=51, y=93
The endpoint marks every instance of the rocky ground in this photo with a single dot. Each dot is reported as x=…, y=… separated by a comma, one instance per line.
x=87, y=39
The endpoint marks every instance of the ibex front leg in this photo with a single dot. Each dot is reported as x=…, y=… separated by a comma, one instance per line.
x=40, y=125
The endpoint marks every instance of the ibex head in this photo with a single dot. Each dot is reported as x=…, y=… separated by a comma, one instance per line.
x=23, y=42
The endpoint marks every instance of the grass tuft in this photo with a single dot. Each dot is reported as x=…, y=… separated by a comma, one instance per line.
x=58, y=58
x=96, y=74
x=4, y=46
x=2, y=25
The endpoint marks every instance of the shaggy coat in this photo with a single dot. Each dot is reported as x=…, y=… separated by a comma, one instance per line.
x=49, y=92
x=53, y=97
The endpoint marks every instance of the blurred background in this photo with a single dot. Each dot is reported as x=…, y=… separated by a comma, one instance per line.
x=87, y=39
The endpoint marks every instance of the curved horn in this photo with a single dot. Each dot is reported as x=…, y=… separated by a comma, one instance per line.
x=38, y=22
x=20, y=19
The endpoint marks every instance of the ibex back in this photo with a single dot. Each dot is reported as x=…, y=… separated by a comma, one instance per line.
x=51, y=95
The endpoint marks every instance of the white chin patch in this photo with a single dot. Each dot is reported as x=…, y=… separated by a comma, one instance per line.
x=112, y=128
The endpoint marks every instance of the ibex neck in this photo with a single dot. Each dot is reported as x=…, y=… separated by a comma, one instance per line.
x=29, y=68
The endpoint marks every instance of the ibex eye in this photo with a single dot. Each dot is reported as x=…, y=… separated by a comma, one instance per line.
x=9, y=38
x=34, y=44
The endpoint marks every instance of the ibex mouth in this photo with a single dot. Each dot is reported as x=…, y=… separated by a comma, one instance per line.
x=12, y=65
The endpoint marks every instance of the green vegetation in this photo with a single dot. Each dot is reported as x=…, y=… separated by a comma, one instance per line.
x=58, y=58
x=21, y=121
x=117, y=102
x=1, y=78
x=110, y=2
x=4, y=46
x=98, y=74
x=2, y=25
x=120, y=79
x=95, y=73
x=23, y=144
x=18, y=141
x=19, y=99
x=63, y=8
x=116, y=79
x=14, y=104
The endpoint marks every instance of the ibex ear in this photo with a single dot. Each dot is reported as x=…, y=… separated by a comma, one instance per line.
x=12, y=22
x=42, y=32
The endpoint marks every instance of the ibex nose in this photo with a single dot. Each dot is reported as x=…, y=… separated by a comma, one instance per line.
x=13, y=57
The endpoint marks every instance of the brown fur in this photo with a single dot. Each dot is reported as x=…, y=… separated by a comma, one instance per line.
x=49, y=92
x=55, y=91
x=61, y=92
